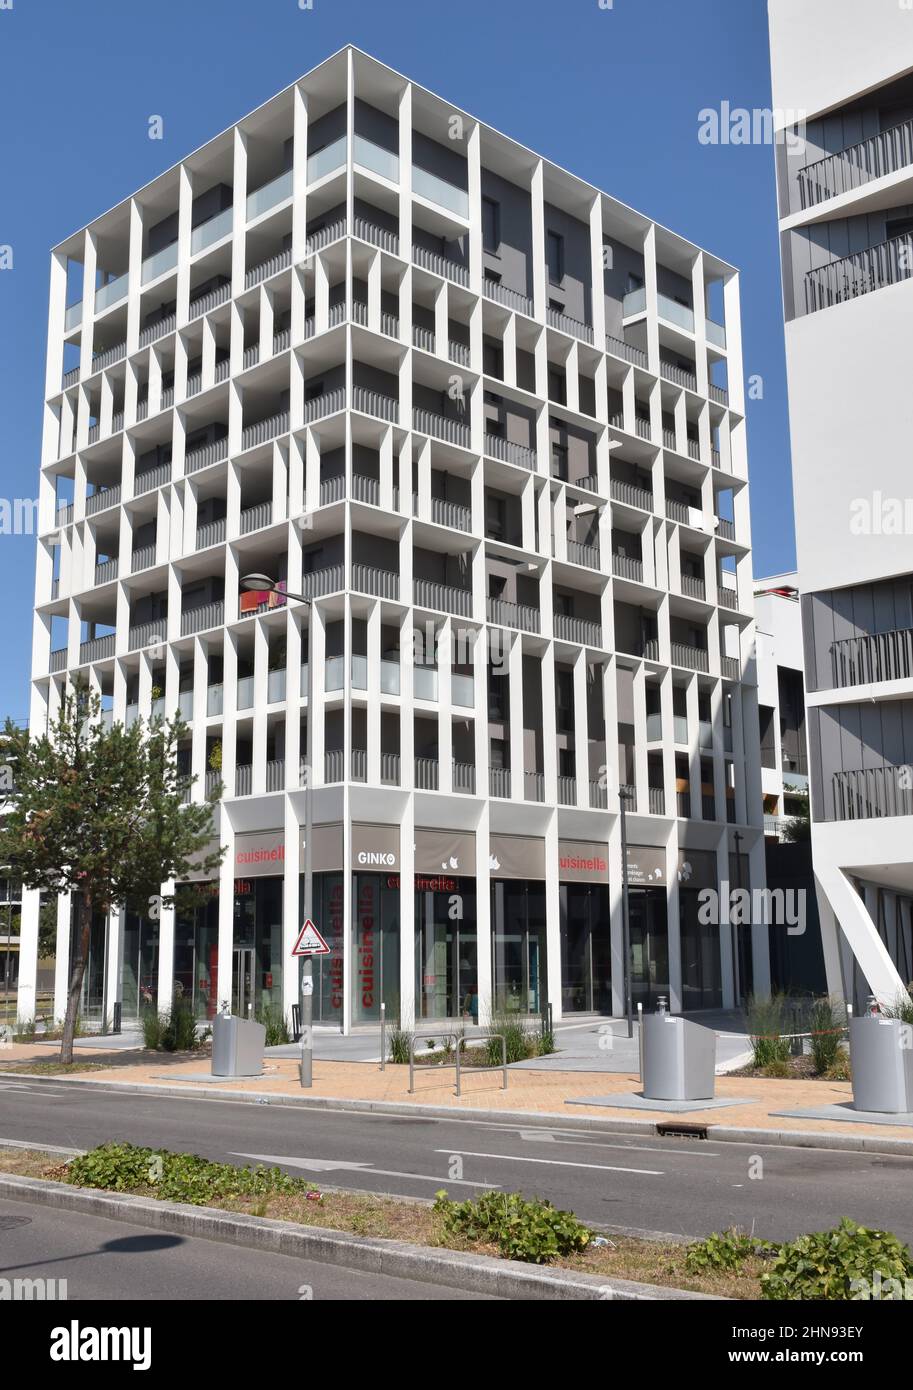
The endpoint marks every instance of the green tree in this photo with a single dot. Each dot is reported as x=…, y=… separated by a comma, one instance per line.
x=100, y=813
x=799, y=827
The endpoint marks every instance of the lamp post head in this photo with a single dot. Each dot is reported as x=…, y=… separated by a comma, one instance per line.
x=257, y=581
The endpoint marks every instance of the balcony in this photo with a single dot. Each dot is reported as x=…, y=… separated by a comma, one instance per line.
x=102, y=499
x=281, y=341
x=96, y=649
x=643, y=428
x=631, y=495
x=533, y=786
x=870, y=793
x=245, y=692
x=275, y=775
x=390, y=769
x=445, y=513
x=214, y=700
x=375, y=158
x=202, y=457
x=889, y=263
x=159, y=264
x=567, y=791
x=108, y=357
x=580, y=554
x=565, y=324
x=375, y=403
x=731, y=667
x=437, y=190
x=423, y=338
x=718, y=394
x=334, y=489
x=694, y=658
x=511, y=299
x=143, y=557
x=147, y=635
x=580, y=630
x=656, y=801
x=210, y=533
x=441, y=427
x=516, y=615
x=58, y=660
x=725, y=528
x=444, y=598
x=693, y=586
x=508, y=452
x=619, y=348
x=634, y=302
x=212, y=230
x=673, y=372
x=727, y=597
x=599, y=795
x=377, y=236
x=271, y=194
x=70, y=378
x=153, y=331
x=204, y=616
x=210, y=300
x=328, y=580
x=499, y=781
x=325, y=404
x=426, y=774
x=627, y=567
x=253, y=518
x=880, y=656
x=111, y=293
x=263, y=430
x=151, y=478
x=369, y=579
x=105, y=572
x=464, y=778
x=857, y=164
x=441, y=265
x=678, y=511
x=459, y=353
x=716, y=333
x=73, y=316
x=264, y=270
x=244, y=779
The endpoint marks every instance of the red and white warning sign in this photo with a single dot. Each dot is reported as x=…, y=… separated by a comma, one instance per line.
x=310, y=942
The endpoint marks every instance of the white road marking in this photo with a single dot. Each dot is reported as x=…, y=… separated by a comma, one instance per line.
x=570, y=1136
x=555, y=1162
x=334, y=1165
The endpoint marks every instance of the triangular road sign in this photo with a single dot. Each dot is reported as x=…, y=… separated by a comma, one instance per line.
x=310, y=942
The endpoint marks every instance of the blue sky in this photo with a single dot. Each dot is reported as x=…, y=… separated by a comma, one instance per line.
x=611, y=94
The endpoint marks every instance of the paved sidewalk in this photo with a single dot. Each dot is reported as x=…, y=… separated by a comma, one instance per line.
x=532, y=1092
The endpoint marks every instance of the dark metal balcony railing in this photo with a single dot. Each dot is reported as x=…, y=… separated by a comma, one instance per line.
x=108, y=357
x=105, y=572
x=888, y=263
x=459, y=353
x=266, y=429
x=324, y=236
x=390, y=769
x=328, y=580
x=446, y=598
x=275, y=775
x=210, y=300
x=599, y=794
x=534, y=786
x=518, y=615
x=389, y=324
x=441, y=427
x=509, y=452
x=566, y=324
x=103, y=498
x=582, y=630
x=643, y=427
x=677, y=511
x=147, y=634
x=857, y=164
x=70, y=378
x=142, y=558
x=264, y=269
x=210, y=533
x=719, y=394
x=631, y=495
x=154, y=331
x=93, y=433
x=512, y=299
x=628, y=794
x=375, y=403
x=499, y=781
x=326, y=404
x=726, y=597
x=194, y=384
x=250, y=356
x=377, y=236
x=58, y=660
x=369, y=579
x=452, y=514
x=96, y=649
x=628, y=351
x=680, y=375
x=365, y=489
x=334, y=763
x=423, y=338
x=869, y=793
x=694, y=658
x=725, y=528
x=627, y=567
x=464, y=777
x=206, y=454
x=252, y=518
x=580, y=554
x=731, y=667
x=693, y=586
x=441, y=265
x=426, y=774
x=567, y=791
x=332, y=489
x=683, y=804
x=244, y=779
x=872, y=657
x=694, y=449
x=205, y=615
x=656, y=801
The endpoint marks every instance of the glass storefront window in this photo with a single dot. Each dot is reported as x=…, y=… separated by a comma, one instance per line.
x=586, y=948
x=328, y=913
x=446, y=948
x=518, y=945
x=649, y=945
x=140, y=969
x=702, y=980
x=196, y=948
x=92, y=1002
x=257, y=964
x=376, y=973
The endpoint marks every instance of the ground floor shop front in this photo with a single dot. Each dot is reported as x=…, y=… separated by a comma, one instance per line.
x=445, y=928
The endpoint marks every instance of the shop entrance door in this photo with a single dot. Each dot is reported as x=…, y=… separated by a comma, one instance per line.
x=242, y=995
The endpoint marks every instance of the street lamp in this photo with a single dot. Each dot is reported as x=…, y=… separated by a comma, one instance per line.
x=734, y=931
x=306, y=976
x=624, y=796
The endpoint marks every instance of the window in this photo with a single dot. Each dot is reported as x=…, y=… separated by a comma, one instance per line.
x=491, y=225
x=554, y=254
x=633, y=282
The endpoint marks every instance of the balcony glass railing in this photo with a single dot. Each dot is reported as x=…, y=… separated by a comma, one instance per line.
x=211, y=231
x=374, y=157
x=634, y=302
x=270, y=195
x=716, y=333
x=110, y=293
x=334, y=673
x=245, y=692
x=327, y=160
x=438, y=190
x=462, y=691
x=275, y=686
x=673, y=312
x=162, y=261
x=73, y=316
x=359, y=672
x=424, y=683
x=214, y=695
x=389, y=677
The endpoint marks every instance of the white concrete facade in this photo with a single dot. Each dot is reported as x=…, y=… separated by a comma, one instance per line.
x=784, y=753
x=845, y=196
x=374, y=349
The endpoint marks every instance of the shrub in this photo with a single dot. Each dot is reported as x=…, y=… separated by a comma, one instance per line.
x=177, y=1177
x=516, y=1037
x=827, y=1018
x=399, y=1041
x=533, y=1231
x=175, y=1031
x=153, y=1024
x=545, y=1043
x=272, y=1017
x=724, y=1250
x=766, y=1025
x=901, y=1008
x=842, y=1069
x=777, y=1070
x=839, y=1264
x=25, y=1030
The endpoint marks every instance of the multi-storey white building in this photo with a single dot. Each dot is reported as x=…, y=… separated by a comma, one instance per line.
x=490, y=421
x=845, y=181
x=781, y=701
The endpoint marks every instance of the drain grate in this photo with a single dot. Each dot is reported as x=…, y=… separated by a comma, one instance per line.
x=681, y=1131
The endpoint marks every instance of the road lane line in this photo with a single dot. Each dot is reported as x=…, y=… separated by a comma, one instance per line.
x=554, y=1162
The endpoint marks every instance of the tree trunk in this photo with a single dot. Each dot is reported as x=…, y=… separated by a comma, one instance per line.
x=80, y=959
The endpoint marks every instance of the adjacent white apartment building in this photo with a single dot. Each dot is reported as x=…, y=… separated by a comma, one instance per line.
x=781, y=701
x=846, y=230
x=490, y=422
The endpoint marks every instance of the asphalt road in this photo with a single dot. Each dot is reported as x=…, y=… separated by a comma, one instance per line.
x=104, y=1260
x=689, y=1187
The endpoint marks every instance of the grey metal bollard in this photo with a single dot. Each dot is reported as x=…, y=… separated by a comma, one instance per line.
x=882, y=1064
x=237, y=1046
x=679, y=1058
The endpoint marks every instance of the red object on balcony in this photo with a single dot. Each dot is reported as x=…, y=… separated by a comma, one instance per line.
x=252, y=599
